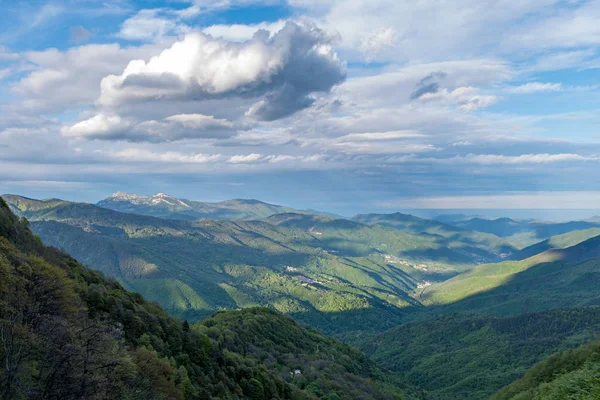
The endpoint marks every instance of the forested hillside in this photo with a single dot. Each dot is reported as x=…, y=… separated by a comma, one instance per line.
x=70, y=333
x=573, y=374
x=552, y=279
x=556, y=242
x=486, y=246
x=334, y=274
x=460, y=356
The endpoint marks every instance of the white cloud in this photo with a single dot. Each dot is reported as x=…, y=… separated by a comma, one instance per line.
x=72, y=76
x=173, y=128
x=398, y=86
x=467, y=98
x=534, y=87
x=140, y=155
x=200, y=67
x=240, y=33
x=153, y=24
x=243, y=159
x=390, y=135
x=375, y=43
x=99, y=126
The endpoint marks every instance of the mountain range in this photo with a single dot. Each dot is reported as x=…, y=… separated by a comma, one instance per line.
x=311, y=266
x=69, y=333
x=522, y=233
x=439, y=311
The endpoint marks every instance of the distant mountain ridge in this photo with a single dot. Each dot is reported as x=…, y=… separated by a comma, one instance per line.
x=523, y=233
x=446, y=233
x=163, y=205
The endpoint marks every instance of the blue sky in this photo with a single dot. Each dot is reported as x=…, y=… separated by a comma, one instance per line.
x=348, y=106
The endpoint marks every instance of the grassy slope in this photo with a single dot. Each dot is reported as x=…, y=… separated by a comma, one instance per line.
x=557, y=242
x=556, y=278
x=470, y=357
x=118, y=345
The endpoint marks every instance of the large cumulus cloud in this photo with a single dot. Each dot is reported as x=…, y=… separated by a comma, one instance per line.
x=280, y=71
x=266, y=78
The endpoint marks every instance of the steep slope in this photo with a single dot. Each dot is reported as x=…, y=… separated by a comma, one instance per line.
x=470, y=357
x=486, y=247
x=70, y=333
x=572, y=374
x=556, y=242
x=164, y=206
x=523, y=233
x=555, y=278
x=194, y=268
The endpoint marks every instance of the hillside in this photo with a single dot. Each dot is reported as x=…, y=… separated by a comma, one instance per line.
x=556, y=242
x=523, y=233
x=194, y=268
x=442, y=257
x=555, y=278
x=327, y=272
x=569, y=375
x=70, y=333
x=472, y=357
x=486, y=247
x=164, y=206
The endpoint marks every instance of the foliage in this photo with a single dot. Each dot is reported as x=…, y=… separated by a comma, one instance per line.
x=552, y=279
x=67, y=332
x=557, y=242
x=471, y=357
x=327, y=272
x=573, y=374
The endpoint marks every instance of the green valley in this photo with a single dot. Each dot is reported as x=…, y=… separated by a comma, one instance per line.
x=70, y=333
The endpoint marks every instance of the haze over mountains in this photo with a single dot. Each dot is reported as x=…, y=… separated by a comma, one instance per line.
x=454, y=312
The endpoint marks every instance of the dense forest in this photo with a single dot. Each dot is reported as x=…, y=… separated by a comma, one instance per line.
x=461, y=356
x=69, y=333
x=574, y=374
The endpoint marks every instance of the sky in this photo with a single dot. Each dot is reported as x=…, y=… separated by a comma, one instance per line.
x=346, y=106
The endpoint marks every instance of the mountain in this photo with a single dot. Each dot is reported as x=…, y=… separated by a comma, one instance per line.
x=472, y=357
x=164, y=206
x=440, y=257
x=568, y=375
x=69, y=333
x=452, y=218
x=555, y=278
x=556, y=242
x=523, y=233
x=194, y=268
x=486, y=246
x=329, y=273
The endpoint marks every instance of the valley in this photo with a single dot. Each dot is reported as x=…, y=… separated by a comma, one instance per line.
x=452, y=313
